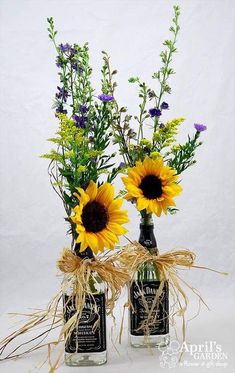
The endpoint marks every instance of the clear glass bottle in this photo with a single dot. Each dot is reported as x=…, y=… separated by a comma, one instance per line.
x=86, y=346
x=147, y=282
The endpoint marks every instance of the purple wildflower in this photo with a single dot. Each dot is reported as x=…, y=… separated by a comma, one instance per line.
x=80, y=122
x=161, y=125
x=73, y=51
x=76, y=67
x=83, y=109
x=121, y=165
x=152, y=94
x=200, y=127
x=58, y=64
x=60, y=109
x=65, y=47
x=155, y=112
x=62, y=93
x=164, y=105
x=105, y=98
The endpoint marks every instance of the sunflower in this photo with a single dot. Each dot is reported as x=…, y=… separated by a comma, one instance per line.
x=98, y=217
x=152, y=185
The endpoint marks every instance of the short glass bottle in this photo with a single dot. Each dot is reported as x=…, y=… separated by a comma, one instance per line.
x=87, y=345
x=147, y=282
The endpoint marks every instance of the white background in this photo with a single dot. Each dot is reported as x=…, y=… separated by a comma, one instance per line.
x=32, y=228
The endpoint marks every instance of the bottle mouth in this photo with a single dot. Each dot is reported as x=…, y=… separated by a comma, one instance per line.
x=86, y=254
x=150, y=225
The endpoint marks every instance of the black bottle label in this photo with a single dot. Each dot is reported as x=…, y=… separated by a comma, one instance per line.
x=142, y=295
x=90, y=332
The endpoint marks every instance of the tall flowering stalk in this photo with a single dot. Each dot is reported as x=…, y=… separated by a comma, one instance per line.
x=85, y=120
x=146, y=156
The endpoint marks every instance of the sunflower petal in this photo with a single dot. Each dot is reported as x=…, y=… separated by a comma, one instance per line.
x=91, y=190
x=134, y=176
x=105, y=194
x=82, y=196
x=116, y=229
x=156, y=207
x=142, y=203
x=134, y=191
x=115, y=205
x=82, y=240
x=119, y=217
x=128, y=196
x=92, y=241
x=110, y=237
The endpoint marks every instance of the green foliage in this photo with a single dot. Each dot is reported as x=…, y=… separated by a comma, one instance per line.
x=182, y=156
x=51, y=29
x=148, y=96
x=163, y=74
x=166, y=134
x=163, y=140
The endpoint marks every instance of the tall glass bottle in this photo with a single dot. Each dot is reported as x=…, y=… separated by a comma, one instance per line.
x=147, y=282
x=87, y=345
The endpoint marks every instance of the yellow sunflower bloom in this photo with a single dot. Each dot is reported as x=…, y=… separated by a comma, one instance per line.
x=152, y=185
x=98, y=217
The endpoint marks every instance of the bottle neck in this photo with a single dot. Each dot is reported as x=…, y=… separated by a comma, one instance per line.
x=147, y=237
x=146, y=219
x=86, y=254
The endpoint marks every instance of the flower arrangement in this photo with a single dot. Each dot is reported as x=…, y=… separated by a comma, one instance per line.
x=80, y=162
x=154, y=164
x=82, y=172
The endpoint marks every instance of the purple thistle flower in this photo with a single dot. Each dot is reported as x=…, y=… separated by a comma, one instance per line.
x=80, y=122
x=200, y=127
x=83, y=109
x=65, y=47
x=155, y=112
x=105, y=98
x=164, y=105
x=60, y=109
x=62, y=93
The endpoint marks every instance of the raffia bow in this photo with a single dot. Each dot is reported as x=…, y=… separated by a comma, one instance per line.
x=134, y=255
x=113, y=276
x=52, y=317
x=129, y=258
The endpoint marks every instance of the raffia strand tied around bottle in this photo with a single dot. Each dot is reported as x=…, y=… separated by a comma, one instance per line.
x=115, y=278
x=52, y=317
x=132, y=256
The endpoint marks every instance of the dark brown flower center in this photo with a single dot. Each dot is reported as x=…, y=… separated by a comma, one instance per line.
x=151, y=187
x=94, y=217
